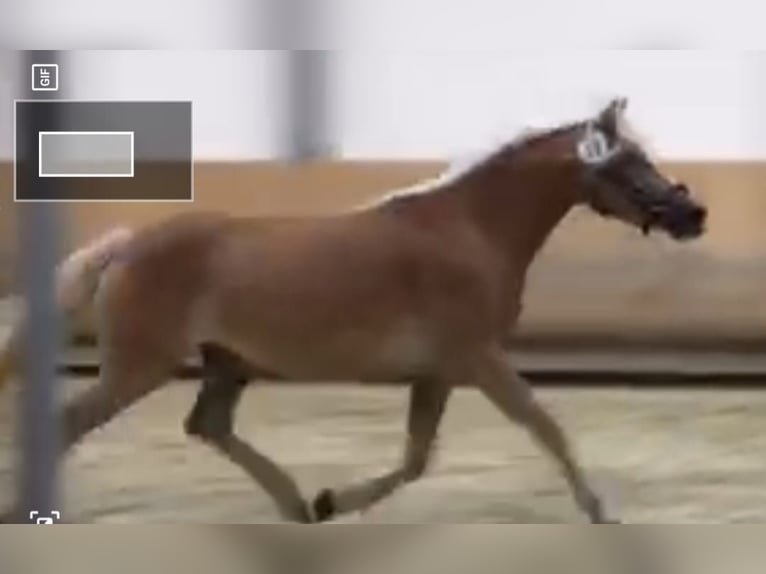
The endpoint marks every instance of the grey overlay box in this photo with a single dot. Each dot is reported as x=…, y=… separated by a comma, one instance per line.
x=79, y=167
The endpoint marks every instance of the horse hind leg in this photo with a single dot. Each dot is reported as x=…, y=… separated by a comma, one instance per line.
x=428, y=399
x=212, y=420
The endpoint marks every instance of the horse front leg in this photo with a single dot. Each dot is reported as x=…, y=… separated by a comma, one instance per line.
x=225, y=377
x=512, y=394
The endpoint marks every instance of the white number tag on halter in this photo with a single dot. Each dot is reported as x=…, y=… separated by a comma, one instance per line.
x=593, y=148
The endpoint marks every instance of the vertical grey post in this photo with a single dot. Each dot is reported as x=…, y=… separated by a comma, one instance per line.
x=299, y=24
x=38, y=229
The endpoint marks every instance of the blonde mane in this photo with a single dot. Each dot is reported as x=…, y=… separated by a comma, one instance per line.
x=455, y=170
x=628, y=131
x=458, y=168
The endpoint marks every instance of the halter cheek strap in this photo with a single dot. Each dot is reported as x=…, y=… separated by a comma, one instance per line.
x=594, y=149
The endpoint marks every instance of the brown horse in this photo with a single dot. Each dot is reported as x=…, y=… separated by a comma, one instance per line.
x=421, y=288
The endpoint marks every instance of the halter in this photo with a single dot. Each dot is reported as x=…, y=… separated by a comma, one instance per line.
x=594, y=149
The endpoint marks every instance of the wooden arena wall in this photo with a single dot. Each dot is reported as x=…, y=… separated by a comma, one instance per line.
x=595, y=280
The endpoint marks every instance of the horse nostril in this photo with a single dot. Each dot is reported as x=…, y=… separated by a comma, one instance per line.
x=681, y=189
x=699, y=214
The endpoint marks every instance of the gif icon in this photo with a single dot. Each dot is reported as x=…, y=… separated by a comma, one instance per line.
x=45, y=77
x=36, y=518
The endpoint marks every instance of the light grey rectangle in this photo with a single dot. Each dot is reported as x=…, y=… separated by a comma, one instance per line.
x=86, y=154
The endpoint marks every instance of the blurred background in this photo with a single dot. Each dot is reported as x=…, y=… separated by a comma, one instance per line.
x=388, y=118
x=306, y=107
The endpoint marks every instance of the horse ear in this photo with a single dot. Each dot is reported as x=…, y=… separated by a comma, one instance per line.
x=620, y=104
x=609, y=118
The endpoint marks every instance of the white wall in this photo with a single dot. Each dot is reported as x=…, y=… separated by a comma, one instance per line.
x=429, y=102
x=557, y=24
x=388, y=24
x=692, y=104
x=83, y=24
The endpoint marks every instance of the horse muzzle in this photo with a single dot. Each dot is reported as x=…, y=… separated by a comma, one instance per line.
x=683, y=221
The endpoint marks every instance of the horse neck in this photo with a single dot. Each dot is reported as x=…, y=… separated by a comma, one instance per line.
x=517, y=207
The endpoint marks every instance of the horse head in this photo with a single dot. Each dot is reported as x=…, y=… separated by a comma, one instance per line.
x=622, y=181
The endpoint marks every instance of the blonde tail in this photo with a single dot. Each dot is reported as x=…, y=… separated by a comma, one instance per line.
x=77, y=280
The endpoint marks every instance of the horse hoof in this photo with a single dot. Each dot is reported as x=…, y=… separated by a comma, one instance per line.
x=324, y=506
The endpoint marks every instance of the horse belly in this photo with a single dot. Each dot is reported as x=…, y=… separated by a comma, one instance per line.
x=405, y=352
x=401, y=352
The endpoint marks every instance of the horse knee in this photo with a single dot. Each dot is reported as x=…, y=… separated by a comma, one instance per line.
x=209, y=422
x=212, y=417
x=194, y=423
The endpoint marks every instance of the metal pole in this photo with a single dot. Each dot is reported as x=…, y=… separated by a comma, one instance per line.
x=308, y=99
x=299, y=24
x=38, y=233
